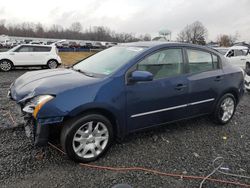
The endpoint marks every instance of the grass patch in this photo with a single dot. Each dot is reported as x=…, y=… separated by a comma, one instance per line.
x=69, y=58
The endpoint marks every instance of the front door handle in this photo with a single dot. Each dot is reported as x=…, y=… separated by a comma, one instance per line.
x=218, y=78
x=180, y=86
x=243, y=59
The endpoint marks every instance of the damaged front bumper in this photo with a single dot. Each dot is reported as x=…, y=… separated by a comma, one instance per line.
x=40, y=134
x=36, y=128
x=39, y=129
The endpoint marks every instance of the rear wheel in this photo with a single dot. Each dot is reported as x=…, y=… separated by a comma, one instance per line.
x=225, y=109
x=52, y=64
x=87, y=138
x=5, y=65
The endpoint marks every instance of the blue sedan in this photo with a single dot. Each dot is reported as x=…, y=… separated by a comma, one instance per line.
x=123, y=89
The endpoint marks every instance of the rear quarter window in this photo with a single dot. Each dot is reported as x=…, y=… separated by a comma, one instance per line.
x=42, y=49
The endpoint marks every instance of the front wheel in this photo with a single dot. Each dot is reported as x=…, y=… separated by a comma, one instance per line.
x=225, y=109
x=5, y=65
x=87, y=138
x=52, y=64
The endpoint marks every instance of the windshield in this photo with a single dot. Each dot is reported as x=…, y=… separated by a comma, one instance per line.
x=13, y=49
x=108, y=61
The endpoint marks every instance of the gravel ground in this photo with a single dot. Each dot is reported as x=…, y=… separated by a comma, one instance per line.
x=186, y=148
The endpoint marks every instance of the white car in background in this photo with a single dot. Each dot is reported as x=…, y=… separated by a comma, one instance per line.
x=238, y=56
x=30, y=55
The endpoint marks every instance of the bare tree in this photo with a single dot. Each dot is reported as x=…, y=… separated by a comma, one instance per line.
x=195, y=33
x=39, y=29
x=76, y=27
x=227, y=40
x=146, y=37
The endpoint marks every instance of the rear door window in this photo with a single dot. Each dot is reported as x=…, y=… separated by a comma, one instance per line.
x=199, y=61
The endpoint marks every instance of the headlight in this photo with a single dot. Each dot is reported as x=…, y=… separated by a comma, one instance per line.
x=35, y=104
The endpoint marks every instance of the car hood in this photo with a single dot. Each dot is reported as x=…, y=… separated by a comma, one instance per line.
x=50, y=82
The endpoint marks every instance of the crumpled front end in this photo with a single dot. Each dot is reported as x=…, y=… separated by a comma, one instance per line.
x=29, y=107
x=42, y=97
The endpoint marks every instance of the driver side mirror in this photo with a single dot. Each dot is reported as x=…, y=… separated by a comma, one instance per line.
x=139, y=76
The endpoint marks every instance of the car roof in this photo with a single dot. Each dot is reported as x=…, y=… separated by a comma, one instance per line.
x=149, y=44
x=36, y=45
x=239, y=47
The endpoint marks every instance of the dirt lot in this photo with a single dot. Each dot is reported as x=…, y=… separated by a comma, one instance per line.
x=186, y=148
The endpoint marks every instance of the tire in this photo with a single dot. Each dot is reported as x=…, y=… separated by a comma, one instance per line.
x=83, y=142
x=223, y=116
x=52, y=64
x=6, y=65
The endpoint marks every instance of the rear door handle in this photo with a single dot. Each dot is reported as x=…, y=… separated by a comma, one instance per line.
x=242, y=59
x=180, y=86
x=218, y=78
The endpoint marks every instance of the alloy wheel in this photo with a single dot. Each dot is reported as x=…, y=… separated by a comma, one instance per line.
x=5, y=65
x=227, y=109
x=90, y=139
x=52, y=64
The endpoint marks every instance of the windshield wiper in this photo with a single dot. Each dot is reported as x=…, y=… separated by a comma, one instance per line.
x=83, y=72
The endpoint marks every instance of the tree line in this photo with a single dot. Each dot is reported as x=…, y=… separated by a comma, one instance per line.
x=75, y=31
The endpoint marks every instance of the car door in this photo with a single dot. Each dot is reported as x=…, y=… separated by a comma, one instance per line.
x=205, y=79
x=243, y=58
x=22, y=55
x=164, y=98
x=236, y=57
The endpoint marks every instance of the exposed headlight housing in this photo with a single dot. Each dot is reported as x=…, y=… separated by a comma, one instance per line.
x=35, y=104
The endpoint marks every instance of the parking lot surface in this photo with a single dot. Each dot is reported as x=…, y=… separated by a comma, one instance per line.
x=186, y=147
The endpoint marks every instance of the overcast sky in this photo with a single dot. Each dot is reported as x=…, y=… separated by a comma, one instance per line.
x=135, y=16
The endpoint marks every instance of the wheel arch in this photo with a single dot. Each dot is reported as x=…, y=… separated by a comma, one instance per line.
x=53, y=60
x=102, y=111
x=6, y=59
x=232, y=91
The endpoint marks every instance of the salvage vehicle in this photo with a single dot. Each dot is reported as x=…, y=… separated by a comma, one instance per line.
x=30, y=55
x=124, y=89
x=238, y=56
